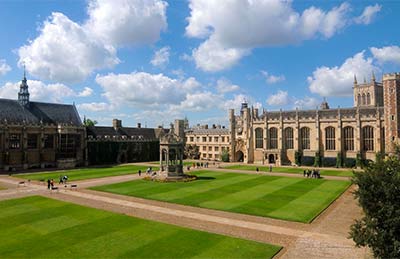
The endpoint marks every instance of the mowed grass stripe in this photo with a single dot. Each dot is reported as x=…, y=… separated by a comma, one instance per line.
x=291, y=170
x=194, y=189
x=236, y=199
x=309, y=202
x=274, y=201
x=104, y=234
x=85, y=173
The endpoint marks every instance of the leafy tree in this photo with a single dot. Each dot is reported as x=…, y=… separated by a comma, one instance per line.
x=192, y=152
x=225, y=156
x=378, y=194
x=89, y=122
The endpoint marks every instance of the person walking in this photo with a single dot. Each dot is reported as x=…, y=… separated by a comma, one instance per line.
x=48, y=184
x=140, y=172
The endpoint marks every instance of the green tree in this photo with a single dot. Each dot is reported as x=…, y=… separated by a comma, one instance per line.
x=378, y=194
x=89, y=122
x=192, y=152
x=225, y=156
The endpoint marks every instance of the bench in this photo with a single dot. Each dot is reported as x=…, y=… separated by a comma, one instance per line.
x=21, y=183
x=75, y=186
x=54, y=189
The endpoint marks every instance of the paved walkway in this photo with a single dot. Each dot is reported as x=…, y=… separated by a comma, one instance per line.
x=326, y=237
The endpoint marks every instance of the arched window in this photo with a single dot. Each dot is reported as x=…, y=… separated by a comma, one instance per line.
x=288, y=137
x=368, y=138
x=330, y=138
x=364, y=102
x=305, y=138
x=368, y=99
x=259, y=138
x=359, y=100
x=348, y=137
x=273, y=138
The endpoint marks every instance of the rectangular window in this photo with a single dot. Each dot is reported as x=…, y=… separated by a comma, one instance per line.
x=223, y=139
x=204, y=139
x=33, y=141
x=197, y=139
x=216, y=149
x=204, y=155
x=330, y=138
x=209, y=155
x=209, y=148
x=210, y=139
x=15, y=141
x=48, y=141
x=216, y=139
x=204, y=148
x=191, y=139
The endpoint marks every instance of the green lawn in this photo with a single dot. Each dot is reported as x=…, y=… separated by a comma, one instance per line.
x=292, y=170
x=86, y=173
x=185, y=163
x=296, y=199
x=37, y=227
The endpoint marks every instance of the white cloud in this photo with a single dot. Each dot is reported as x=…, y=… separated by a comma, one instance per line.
x=39, y=91
x=368, y=14
x=127, y=22
x=279, y=99
x=236, y=102
x=338, y=81
x=232, y=28
x=94, y=107
x=161, y=57
x=387, y=54
x=225, y=86
x=305, y=103
x=144, y=89
x=272, y=79
x=4, y=67
x=212, y=56
x=87, y=91
x=65, y=52
x=199, y=102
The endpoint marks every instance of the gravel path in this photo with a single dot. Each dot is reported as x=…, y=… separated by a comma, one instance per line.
x=325, y=237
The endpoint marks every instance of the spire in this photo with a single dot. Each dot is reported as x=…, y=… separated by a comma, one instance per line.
x=23, y=95
x=355, y=79
x=373, y=76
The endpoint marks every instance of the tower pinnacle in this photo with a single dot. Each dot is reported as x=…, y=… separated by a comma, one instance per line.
x=23, y=95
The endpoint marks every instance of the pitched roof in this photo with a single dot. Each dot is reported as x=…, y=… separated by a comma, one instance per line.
x=110, y=132
x=36, y=112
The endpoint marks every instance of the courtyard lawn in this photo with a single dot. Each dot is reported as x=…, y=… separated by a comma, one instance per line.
x=86, y=173
x=296, y=199
x=290, y=170
x=38, y=227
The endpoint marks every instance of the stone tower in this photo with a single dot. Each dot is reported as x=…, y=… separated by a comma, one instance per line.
x=23, y=95
x=391, y=94
x=232, y=126
x=368, y=94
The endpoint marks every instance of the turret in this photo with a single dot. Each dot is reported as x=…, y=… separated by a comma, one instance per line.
x=23, y=95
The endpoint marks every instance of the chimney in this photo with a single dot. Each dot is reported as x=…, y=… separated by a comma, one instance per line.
x=213, y=126
x=206, y=126
x=117, y=124
x=139, y=125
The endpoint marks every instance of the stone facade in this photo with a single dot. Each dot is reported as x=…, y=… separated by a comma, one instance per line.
x=369, y=127
x=211, y=141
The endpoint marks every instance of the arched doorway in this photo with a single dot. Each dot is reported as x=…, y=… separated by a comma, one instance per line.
x=271, y=158
x=239, y=157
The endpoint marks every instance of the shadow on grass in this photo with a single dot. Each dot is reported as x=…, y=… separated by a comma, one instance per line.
x=205, y=178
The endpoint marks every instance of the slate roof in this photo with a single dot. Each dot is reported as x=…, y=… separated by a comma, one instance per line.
x=125, y=132
x=208, y=131
x=12, y=112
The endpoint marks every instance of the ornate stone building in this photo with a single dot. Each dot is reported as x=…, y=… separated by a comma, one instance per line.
x=371, y=126
x=38, y=135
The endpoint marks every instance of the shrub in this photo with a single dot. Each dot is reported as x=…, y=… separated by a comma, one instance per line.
x=349, y=162
x=359, y=162
x=225, y=156
x=297, y=157
x=339, y=160
x=307, y=160
x=329, y=161
x=318, y=159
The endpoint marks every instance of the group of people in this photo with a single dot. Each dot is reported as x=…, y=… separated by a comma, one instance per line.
x=50, y=182
x=312, y=173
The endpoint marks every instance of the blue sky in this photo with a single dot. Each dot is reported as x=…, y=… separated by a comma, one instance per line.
x=152, y=61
